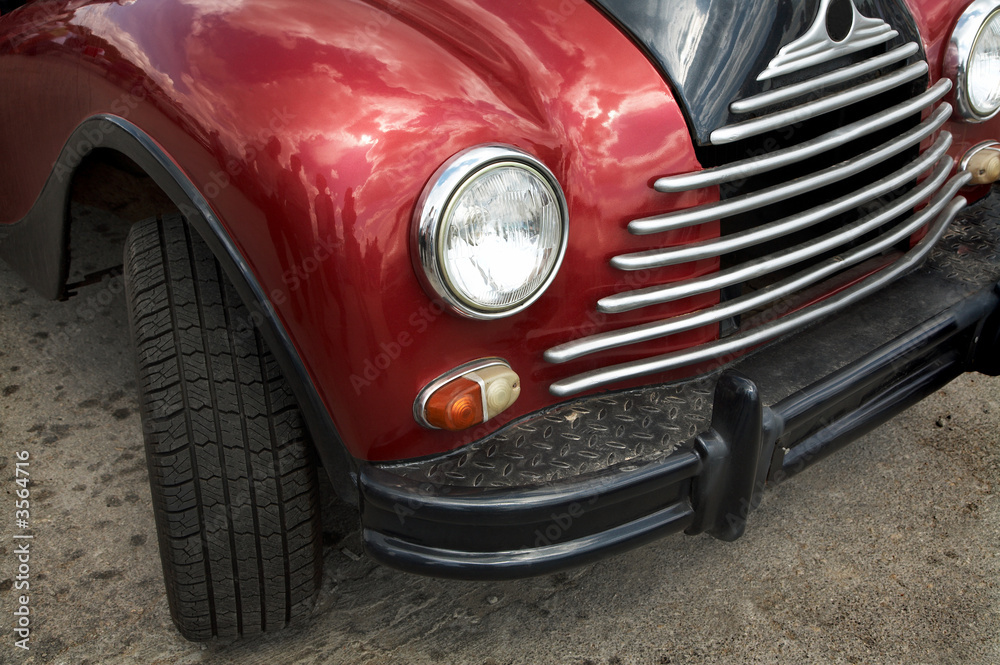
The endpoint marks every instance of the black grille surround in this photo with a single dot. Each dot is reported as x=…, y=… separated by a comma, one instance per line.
x=822, y=188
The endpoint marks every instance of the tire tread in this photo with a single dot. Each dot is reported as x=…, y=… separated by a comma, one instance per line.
x=233, y=477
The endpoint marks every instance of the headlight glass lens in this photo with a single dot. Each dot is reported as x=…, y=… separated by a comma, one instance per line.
x=501, y=237
x=984, y=69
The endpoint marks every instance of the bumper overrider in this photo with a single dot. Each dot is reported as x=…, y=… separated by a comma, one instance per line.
x=605, y=473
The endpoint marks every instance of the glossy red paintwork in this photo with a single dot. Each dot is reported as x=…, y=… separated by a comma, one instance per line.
x=311, y=128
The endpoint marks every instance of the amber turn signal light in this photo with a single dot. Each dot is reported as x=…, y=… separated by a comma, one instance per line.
x=468, y=395
x=455, y=406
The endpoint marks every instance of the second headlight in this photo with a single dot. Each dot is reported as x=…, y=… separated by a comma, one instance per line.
x=490, y=231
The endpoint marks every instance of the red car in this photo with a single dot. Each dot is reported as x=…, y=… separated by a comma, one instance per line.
x=532, y=282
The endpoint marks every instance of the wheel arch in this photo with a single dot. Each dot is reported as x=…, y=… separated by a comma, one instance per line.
x=37, y=247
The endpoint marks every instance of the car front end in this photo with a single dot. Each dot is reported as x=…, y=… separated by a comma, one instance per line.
x=537, y=282
x=792, y=291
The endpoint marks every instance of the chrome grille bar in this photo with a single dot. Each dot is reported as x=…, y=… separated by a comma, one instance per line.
x=818, y=53
x=837, y=76
x=764, y=197
x=658, y=258
x=791, y=116
x=630, y=300
x=775, y=160
x=751, y=301
x=741, y=342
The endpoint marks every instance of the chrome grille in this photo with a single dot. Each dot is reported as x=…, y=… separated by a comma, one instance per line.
x=781, y=158
x=785, y=93
x=770, y=122
x=885, y=213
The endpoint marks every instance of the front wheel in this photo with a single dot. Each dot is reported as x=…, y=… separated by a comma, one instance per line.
x=232, y=474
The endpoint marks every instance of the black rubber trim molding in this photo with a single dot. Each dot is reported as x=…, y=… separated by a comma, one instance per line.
x=36, y=248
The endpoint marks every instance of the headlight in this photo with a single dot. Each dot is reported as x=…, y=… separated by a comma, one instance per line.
x=973, y=61
x=490, y=231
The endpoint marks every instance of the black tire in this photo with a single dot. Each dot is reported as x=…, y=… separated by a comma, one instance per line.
x=233, y=477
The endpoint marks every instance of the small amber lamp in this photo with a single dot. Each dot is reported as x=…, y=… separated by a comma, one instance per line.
x=468, y=395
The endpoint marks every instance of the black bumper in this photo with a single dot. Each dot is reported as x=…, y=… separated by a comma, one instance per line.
x=606, y=473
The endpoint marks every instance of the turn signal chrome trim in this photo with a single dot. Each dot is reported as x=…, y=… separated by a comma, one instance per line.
x=468, y=395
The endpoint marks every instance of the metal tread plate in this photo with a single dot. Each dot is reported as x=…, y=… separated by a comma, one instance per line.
x=970, y=250
x=583, y=436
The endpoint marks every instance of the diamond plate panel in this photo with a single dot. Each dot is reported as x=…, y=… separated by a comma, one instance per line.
x=583, y=436
x=970, y=251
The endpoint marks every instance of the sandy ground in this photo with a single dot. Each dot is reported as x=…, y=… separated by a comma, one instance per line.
x=885, y=553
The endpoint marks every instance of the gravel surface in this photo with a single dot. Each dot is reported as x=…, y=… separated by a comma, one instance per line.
x=885, y=553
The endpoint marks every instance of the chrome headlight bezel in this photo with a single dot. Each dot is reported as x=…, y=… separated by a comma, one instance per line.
x=436, y=204
x=961, y=48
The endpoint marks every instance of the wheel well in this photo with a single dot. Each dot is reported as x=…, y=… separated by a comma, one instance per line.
x=107, y=181
x=36, y=247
